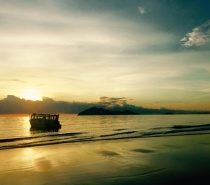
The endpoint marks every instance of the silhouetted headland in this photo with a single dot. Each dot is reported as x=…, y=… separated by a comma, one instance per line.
x=102, y=111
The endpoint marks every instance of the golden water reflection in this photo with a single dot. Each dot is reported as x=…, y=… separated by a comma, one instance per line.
x=35, y=159
x=26, y=125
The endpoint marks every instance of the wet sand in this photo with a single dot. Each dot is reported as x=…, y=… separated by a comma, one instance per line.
x=161, y=160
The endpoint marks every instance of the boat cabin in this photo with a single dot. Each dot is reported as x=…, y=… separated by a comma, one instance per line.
x=54, y=117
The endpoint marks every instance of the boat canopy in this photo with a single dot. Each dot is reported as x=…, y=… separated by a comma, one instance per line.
x=35, y=116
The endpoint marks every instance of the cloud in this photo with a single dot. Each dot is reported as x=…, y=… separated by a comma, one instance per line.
x=142, y=10
x=200, y=36
x=13, y=104
x=112, y=102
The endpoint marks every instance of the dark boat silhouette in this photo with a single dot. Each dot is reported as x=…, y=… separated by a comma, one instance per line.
x=44, y=122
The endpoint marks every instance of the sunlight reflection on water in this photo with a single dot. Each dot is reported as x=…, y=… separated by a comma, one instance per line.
x=14, y=125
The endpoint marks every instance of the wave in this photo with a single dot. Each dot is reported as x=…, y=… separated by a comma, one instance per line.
x=58, y=138
x=190, y=126
x=121, y=133
x=180, y=129
x=49, y=135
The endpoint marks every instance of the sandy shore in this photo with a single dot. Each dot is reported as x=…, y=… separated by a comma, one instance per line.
x=163, y=160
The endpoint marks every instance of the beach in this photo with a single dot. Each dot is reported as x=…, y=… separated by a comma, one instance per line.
x=155, y=160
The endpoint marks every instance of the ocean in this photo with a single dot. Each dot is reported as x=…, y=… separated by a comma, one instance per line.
x=15, y=129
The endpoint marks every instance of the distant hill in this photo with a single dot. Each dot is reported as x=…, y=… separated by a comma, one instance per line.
x=102, y=111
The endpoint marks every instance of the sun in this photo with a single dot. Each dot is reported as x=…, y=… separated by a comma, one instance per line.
x=31, y=94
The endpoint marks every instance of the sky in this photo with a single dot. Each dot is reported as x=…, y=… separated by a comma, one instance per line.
x=151, y=53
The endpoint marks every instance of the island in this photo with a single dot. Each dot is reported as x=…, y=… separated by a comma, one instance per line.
x=102, y=111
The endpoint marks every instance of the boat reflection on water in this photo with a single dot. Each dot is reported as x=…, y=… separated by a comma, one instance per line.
x=44, y=122
x=39, y=130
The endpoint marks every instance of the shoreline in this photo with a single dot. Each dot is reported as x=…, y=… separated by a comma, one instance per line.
x=154, y=160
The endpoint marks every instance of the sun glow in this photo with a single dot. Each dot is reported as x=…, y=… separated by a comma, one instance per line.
x=31, y=94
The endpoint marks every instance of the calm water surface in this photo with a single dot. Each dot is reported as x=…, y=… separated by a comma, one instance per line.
x=15, y=129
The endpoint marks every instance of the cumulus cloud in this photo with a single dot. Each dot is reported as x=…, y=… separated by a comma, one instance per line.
x=142, y=10
x=112, y=102
x=200, y=36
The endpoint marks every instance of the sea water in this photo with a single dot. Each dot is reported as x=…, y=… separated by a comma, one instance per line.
x=15, y=129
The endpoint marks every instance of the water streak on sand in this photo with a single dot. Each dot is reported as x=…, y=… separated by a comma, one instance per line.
x=143, y=150
x=139, y=174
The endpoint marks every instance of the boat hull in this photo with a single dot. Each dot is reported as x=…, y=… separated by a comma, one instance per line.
x=44, y=125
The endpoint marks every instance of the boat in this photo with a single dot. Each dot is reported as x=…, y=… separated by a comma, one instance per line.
x=45, y=121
